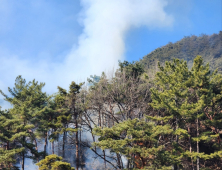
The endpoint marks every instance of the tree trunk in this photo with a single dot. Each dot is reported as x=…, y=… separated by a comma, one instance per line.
x=119, y=161
x=23, y=156
x=80, y=154
x=219, y=139
x=7, y=146
x=99, y=122
x=23, y=160
x=36, y=145
x=52, y=143
x=36, y=148
x=45, y=144
x=190, y=147
x=198, y=160
x=63, y=144
x=104, y=154
x=128, y=163
x=53, y=152
x=175, y=165
x=103, y=121
x=77, y=146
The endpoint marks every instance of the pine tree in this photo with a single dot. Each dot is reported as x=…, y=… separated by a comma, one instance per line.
x=206, y=86
x=8, y=134
x=187, y=98
x=27, y=100
x=68, y=113
x=170, y=93
x=45, y=119
x=138, y=140
x=122, y=97
x=76, y=112
x=54, y=162
x=62, y=118
x=134, y=69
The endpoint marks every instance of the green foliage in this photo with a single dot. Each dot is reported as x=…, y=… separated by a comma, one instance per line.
x=188, y=96
x=154, y=128
x=54, y=162
x=208, y=46
x=139, y=138
x=133, y=69
x=28, y=101
x=8, y=134
x=181, y=97
x=63, y=108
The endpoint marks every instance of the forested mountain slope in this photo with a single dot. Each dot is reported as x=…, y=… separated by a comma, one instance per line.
x=208, y=46
x=129, y=121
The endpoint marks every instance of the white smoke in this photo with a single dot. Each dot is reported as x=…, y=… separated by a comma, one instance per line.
x=105, y=24
x=100, y=46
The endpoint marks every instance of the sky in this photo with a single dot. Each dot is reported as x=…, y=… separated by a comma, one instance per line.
x=57, y=42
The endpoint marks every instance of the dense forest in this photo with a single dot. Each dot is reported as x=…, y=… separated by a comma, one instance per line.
x=170, y=120
x=208, y=46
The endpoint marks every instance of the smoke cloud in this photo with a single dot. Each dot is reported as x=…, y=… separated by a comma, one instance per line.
x=105, y=24
x=100, y=45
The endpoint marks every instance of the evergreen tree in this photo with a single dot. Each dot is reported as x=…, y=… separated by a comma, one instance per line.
x=188, y=96
x=45, y=119
x=170, y=94
x=138, y=140
x=68, y=113
x=27, y=100
x=206, y=86
x=8, y=135
x=62, y=119
x=134, y=69
x=54, y=162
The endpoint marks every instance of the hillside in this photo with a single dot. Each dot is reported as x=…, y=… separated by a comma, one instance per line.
x=208, y=46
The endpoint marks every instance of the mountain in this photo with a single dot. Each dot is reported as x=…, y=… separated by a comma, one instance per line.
x=208, y=46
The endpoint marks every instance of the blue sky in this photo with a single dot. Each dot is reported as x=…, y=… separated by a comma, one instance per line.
x=191, y=18
x=57, y=42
